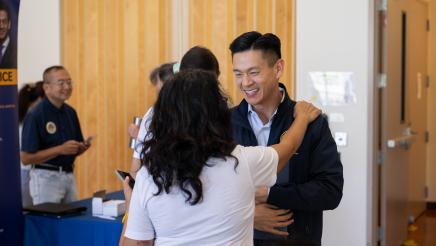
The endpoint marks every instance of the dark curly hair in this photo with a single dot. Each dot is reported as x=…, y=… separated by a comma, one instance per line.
x=199, y=57
x=163, y=73
x=27, y=95
x=191, y=123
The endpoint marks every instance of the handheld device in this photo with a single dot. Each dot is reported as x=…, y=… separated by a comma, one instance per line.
x=122, y=175
x=90, y=138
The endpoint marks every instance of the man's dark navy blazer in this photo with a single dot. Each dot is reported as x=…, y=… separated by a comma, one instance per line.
x=315, y=178
x=9, y=59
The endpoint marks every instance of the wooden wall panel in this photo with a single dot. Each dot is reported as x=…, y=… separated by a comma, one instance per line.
x=110, y=46
x=109, y=56
x=215, y=23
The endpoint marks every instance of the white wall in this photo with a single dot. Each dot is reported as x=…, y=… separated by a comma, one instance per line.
x=431, y=97
x=337, y=35
x=38, y=38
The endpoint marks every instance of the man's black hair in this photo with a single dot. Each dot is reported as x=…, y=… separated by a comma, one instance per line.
x=49, y=69
x=5, y=7
x=268, y=43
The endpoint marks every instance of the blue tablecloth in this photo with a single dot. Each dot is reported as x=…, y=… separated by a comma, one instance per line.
x=81, y=229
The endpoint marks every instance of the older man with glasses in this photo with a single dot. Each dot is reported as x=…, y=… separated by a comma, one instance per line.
x=51, y=141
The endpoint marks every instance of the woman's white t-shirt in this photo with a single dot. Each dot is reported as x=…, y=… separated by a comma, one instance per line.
x=142, y=133
x=223, y=217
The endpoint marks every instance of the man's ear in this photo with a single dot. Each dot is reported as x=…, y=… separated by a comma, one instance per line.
x=279, y=68
x=45, y=87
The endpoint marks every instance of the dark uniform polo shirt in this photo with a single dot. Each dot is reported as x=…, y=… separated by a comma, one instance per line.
x=46, y=126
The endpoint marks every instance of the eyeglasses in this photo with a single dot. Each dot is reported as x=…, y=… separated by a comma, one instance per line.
x=61, y=83
x=4, y=22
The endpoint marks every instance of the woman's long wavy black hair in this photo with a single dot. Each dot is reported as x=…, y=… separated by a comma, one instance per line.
x=191, y=123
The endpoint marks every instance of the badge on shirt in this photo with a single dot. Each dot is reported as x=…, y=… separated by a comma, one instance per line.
x=50, y=127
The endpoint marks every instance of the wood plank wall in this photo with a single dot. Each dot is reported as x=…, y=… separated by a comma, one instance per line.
x=215, y=24
x=110, y=46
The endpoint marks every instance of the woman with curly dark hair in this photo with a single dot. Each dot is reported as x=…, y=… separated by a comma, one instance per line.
x=195, y=185
x=197, y=57
x=28, y=96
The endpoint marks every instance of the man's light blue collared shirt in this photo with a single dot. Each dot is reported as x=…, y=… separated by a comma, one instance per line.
x=261, y=131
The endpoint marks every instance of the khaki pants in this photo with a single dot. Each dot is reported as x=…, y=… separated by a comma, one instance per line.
x=52, y=186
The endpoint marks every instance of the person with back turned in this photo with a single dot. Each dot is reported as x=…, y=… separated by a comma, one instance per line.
x=196, y=186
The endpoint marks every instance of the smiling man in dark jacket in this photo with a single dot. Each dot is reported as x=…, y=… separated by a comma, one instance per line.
x=312, y=181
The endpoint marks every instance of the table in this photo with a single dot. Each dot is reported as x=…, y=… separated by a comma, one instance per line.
x=81, y=229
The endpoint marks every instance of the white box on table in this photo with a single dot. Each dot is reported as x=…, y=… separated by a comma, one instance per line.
x=97, y=206
x=114, y=207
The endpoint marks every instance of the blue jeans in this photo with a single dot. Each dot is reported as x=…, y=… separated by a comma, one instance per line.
x=52, y=186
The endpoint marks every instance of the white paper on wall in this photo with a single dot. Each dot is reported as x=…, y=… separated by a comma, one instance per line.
x=332, y=88
x=336, y=118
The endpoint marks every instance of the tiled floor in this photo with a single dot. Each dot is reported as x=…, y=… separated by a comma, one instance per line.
x=425, y=235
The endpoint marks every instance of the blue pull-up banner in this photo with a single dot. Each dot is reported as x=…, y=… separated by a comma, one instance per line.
x=11, y=219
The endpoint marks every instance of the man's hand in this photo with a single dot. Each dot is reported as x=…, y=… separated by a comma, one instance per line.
x=84, y=146
x=70, y=147
x=261, y=195
x=133, y=131
x=268, y=217
x=88, y=140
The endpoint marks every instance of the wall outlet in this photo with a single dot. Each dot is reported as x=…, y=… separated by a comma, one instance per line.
x=341, y=138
